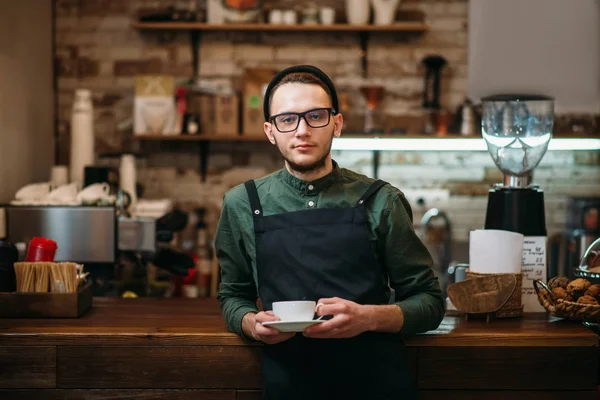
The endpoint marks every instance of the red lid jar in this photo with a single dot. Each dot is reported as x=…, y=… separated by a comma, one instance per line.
x=41, y=249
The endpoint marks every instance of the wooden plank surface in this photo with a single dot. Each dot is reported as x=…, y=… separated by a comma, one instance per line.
x=506, y=395
x=119, y=394
x=27, y=367
x=508, y=368
x=249, y=395
x=122, y=394
x=152, y=321
x=174, y=367
x=531, y=330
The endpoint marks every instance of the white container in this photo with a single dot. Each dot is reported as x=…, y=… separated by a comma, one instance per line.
x=276, y=17
x=327, y=15
x=59, y=175
x=493, y=251
x=82, y=134
x=214, y=12
x=358, y=11
x=289, y=17
x=128, y=177
x=384, y=11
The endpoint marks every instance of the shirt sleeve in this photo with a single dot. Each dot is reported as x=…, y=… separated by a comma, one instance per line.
x=409, y=267
x=237, y=290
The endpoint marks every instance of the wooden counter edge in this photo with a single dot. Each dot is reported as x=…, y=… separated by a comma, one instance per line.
x=230, y=339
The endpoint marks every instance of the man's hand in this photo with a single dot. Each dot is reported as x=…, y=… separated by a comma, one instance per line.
x=253, y=327
x=351, y=319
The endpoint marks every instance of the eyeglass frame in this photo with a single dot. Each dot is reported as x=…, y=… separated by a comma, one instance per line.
x=302, y=115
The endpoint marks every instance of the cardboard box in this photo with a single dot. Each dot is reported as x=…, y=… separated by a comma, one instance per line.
x=227, y=115
x=256, y=81
x=206, y=105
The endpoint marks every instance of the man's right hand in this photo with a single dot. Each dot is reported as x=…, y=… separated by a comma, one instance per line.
x=253, y=327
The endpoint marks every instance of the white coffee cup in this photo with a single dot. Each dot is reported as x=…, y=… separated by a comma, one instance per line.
x=302, y=310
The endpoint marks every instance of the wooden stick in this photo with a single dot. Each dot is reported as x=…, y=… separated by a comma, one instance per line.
x=19, y=274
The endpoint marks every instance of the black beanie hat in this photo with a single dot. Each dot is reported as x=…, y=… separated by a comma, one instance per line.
x=300, y=68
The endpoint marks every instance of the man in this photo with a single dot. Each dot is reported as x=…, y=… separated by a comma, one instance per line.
x=315, y=231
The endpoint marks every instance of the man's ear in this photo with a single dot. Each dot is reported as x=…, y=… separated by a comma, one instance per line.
x=268, y=128
x=338, y=122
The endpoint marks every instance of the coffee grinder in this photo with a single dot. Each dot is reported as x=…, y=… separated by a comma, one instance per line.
x=517, y=130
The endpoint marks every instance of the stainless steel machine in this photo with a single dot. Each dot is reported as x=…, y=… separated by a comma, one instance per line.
x=100, y=237
x=84, y=234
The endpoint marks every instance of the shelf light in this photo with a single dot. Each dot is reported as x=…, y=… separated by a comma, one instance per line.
x=447, y=144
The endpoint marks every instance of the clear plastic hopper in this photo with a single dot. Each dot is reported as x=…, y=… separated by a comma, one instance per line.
x=517, y=130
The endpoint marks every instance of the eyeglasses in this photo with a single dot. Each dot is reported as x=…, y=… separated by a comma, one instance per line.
x=315, y=118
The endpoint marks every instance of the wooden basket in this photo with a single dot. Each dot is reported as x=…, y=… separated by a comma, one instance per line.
x=565, y=309
x=513, y=306
x=46, y=305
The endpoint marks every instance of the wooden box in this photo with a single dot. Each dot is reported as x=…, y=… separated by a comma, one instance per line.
x=46, y=305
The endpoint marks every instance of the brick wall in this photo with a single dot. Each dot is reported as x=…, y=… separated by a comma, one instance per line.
x=96, y=48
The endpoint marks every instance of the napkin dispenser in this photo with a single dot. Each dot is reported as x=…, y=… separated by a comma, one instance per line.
x=494, y=278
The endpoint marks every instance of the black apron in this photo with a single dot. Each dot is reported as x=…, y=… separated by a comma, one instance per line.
x=312, y=254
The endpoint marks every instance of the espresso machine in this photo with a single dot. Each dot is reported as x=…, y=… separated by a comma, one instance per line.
x=85, y=234
x=517, y=130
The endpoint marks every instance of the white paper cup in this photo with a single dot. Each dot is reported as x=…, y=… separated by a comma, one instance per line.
x=294, y=310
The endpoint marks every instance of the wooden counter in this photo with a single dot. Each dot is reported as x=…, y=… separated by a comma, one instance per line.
x=180, y=349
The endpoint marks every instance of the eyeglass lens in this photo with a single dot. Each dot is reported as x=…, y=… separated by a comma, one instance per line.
x=290, y=121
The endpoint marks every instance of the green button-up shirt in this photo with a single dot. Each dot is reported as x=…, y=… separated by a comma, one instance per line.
x=404, y=258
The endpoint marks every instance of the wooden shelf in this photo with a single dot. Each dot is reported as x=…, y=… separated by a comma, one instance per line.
x=202, y=138
x=260, y=138
x=408, y=26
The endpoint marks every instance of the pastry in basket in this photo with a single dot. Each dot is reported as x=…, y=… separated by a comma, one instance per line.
x=562, y=294
x=587, y=300
x=577, y=287
x=558, y=281
x=593, y=291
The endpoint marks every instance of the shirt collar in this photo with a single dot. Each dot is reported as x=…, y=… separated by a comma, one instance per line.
x=317, y=185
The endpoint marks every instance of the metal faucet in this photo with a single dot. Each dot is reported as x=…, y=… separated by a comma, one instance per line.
x=426, y=222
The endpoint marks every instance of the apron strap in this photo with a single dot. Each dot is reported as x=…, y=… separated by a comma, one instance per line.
x=375, y=186
x=254, y=201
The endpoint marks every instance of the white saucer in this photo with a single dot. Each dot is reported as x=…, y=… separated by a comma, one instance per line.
x=292, y=326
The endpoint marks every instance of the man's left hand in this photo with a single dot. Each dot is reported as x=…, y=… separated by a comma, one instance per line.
x=349, y=319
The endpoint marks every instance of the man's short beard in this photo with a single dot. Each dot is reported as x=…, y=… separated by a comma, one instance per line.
x=307, y=168
x=320, y=163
